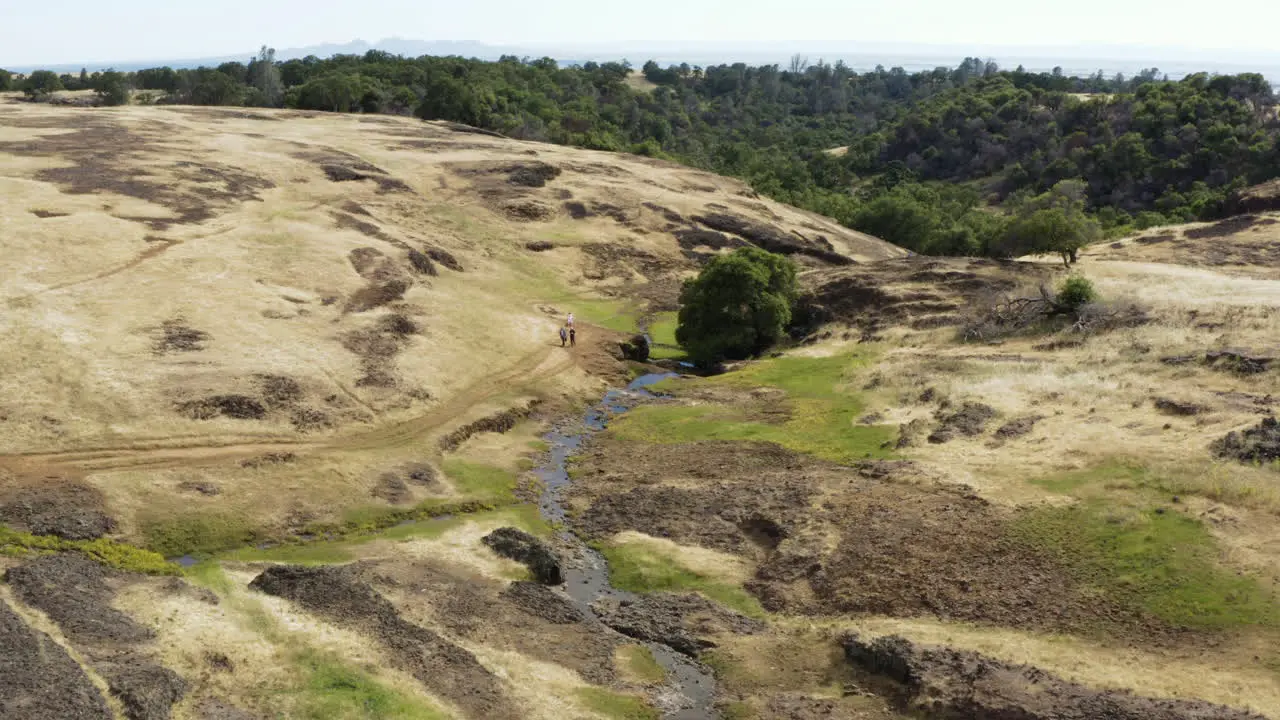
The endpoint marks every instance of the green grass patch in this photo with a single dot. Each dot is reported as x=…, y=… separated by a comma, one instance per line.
x=662, y=337
x=484, y=483
x=122, y=556
x=197, y=533
x=343, y=548
x=739, y=711
x=638, y=664
x=1161, y=562
x=637, y=569
x=824, y=411
x=617, y=706
x=337, y=691
x=1111, y=475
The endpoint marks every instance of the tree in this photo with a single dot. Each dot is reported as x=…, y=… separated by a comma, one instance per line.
x=1051, y=230
x=111, y=88
x=41, y=83
x=738, y=306
x=210, y=87
x=265, y=76
x=6, y=80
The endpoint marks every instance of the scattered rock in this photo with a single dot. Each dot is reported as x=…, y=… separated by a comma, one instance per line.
x=497, y=423
x=534, y=174
x=524, y=548
x=177, y=336
x=539, y=246
x=1240, y=362
x=681, y=622
x=1178, y=359
x=445, y=258
x=947, y=683
x=1258, y=444
x=1018, y=427
x=443, y=667
x=219, y=710
x=147, y=691
x=909, y=433
x=1178, y=407
x=65, y=508
x=970, y=420
x=72, y=590
x=637, y=349
x=541, y=601
x=772, y=238
x=392, y=489
x=422, y=264
x=39, y=680
x=237, y=407
x=874, y=418
x=375, y=295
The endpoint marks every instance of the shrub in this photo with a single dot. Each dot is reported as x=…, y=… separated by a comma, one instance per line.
x=738, y=305
x=1076, y=292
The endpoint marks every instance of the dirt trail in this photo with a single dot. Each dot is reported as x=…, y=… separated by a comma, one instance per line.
x=160, y=454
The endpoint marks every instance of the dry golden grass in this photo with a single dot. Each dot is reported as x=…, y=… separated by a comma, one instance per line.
x=1235, y=679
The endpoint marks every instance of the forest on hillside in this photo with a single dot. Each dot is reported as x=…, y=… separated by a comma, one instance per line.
x=971, y=160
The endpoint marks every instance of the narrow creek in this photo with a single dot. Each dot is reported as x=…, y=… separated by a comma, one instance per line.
x=690, y=690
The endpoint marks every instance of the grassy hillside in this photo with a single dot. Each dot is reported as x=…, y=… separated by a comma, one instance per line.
x=273, y=379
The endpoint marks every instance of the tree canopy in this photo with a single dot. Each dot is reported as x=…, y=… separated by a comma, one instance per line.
x=938, y=161
x=739, y=305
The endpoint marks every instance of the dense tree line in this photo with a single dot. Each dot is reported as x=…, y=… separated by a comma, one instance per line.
x=965, y=160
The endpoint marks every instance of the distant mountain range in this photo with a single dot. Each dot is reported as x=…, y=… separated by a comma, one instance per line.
x=1077, y=60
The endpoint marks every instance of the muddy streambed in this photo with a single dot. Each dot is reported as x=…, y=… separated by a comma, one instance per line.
x=690, y=692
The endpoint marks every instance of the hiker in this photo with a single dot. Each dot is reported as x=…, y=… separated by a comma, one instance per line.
x=573, y=337
x=569, y=321
x=564, y=335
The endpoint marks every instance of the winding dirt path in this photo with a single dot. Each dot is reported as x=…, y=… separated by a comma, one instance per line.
x=162, y=454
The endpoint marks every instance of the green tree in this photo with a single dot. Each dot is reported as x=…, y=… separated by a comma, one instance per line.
x=210, y=87
x=111, y=88
x=738, y=306
x=41, y=83
x=6, y=80
x=1050, y=230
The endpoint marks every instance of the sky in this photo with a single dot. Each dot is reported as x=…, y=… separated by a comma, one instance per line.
x=73, y=31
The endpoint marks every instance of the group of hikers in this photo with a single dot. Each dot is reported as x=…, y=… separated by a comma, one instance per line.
x=568, y=333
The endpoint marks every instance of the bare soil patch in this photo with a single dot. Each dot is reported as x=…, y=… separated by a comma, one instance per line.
x=39, y=680
x=338, y=595
x=946, y=683
x=543, y=602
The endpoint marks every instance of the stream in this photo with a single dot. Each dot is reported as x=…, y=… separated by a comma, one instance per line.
x=690, y=690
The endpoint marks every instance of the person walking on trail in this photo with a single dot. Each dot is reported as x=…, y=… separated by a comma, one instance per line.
x=573, y=337
x=564, y=335
x=569, y=321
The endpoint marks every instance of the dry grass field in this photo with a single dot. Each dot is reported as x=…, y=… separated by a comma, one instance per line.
x=313, y=359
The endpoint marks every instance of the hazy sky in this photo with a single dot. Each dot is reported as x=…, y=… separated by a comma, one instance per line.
x=58, y=31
